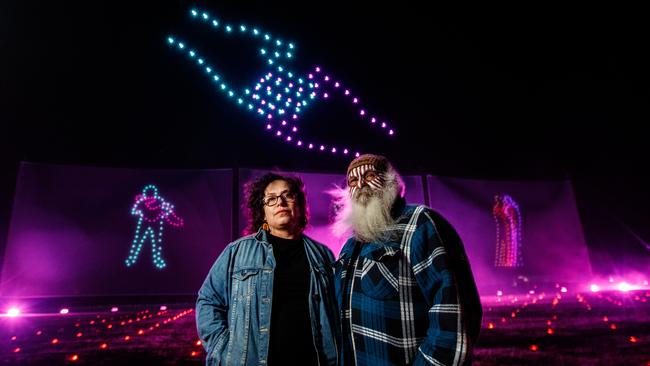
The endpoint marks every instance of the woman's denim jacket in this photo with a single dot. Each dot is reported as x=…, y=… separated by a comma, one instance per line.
x=233, y=310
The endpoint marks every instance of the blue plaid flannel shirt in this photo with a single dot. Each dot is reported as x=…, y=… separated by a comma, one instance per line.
x=400, y=301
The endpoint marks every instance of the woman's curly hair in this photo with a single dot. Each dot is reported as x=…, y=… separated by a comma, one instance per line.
x=254, y=193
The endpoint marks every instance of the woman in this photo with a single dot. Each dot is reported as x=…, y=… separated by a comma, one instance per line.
x=268, y=299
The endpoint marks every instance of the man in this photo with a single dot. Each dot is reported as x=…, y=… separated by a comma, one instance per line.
x=405, y=288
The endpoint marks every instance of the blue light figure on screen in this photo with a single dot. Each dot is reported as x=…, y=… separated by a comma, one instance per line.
x=278, y=95
x=152, y=212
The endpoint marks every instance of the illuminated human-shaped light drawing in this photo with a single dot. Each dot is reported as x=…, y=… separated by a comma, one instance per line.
x=152, y=212
x=508, y=227
x=279, y=96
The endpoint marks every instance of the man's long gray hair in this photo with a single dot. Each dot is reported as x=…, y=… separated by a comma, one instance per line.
x=367, y=215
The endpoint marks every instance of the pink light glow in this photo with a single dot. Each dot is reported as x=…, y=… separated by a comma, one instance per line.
x=594, y=288
x=624, y=287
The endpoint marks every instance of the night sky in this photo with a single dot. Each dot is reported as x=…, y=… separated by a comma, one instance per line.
x=512, y=93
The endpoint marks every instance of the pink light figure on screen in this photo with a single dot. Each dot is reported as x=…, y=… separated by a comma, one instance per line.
x=507, y=218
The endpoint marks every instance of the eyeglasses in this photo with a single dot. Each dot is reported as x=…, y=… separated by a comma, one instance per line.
x=273, y=200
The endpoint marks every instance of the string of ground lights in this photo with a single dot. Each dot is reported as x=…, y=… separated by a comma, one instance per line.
x=73, y=334
x=544, y=323
x=279, y=96
x=542, y=318
x=152, y=212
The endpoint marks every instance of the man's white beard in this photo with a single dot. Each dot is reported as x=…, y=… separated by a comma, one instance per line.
x=367, y=215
